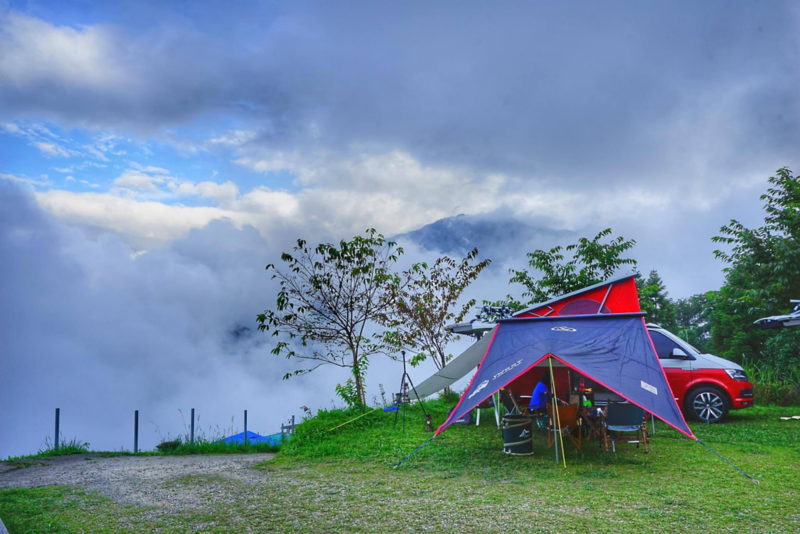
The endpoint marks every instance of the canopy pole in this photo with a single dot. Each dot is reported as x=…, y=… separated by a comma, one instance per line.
x=555, y=411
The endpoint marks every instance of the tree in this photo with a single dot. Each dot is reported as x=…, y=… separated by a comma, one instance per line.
x=654, y=300
x=693, y=319
x=762, y=272
x=429, y=303
x=592, y=262
x=329, y=297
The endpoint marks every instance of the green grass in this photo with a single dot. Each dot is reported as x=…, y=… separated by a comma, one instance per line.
x=345, y=480
x=181, y=447
x=772, y=385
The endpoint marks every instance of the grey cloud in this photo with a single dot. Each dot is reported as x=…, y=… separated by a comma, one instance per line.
x=90, y=329
x=581, y=95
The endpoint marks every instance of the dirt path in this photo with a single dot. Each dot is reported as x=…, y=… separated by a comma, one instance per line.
x=171, y=482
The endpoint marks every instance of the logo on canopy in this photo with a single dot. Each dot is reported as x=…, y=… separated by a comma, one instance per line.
x=480, y=387
x=563, y=329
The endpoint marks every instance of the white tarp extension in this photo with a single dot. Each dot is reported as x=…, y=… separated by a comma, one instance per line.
x=457, y=369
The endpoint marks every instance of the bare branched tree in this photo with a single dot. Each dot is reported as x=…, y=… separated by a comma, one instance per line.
x=430, y=302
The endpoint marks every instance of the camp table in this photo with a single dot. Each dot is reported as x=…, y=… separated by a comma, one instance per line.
x=592, y=421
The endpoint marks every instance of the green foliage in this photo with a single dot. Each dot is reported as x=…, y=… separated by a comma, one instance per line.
x=449, y=396
x=184, y=447
x=429, y=303
x=655, y=302
x=169, y=445
x=593, y=261
x=65, y=447
x=762, y=274
x=693, y=316
x=348, y=393
x=329, y=296
x=772, y=385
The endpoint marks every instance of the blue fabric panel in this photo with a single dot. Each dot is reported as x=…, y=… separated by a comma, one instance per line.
x=613, y=350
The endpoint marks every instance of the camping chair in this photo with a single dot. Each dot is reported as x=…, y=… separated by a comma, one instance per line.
x=624, y=418
x=510, y=403
x=568, y=419
x=488, y=404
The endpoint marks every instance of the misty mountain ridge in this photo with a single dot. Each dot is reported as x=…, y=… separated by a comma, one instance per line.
x=495, y=236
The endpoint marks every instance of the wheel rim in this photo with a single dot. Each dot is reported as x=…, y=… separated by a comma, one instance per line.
x=708, y=406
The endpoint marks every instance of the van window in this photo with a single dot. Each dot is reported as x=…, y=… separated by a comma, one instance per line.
x=663, y=344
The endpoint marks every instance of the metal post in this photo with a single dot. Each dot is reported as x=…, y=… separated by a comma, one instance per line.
x=245, y=427
x=135, y=431
x=292, y=424
x=58, y=416
x=192, y=438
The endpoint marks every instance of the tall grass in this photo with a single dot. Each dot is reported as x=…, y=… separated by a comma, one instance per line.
x=773, y=385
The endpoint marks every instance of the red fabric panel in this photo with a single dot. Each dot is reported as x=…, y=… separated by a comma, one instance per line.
x=526, y=382
x=622, y=299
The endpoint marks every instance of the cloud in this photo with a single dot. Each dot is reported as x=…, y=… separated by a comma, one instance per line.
x=51, y=149
x=99, y=330
x=138, y=180
x=24, y=180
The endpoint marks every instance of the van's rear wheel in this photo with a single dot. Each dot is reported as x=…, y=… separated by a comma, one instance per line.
x=707, y=405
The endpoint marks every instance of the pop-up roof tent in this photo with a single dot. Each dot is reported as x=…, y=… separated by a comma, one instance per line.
x=598, y=331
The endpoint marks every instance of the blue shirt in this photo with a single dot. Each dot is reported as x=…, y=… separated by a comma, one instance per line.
x=539, y=396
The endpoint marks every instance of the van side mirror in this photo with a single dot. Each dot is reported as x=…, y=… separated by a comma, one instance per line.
x=679, y=354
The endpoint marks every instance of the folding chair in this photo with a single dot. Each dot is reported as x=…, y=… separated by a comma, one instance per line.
x=568, y=420
x=488, y=404
x=624, y=418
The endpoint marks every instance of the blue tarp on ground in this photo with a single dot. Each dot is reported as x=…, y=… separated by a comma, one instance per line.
x=614, y=350
x=252, y=437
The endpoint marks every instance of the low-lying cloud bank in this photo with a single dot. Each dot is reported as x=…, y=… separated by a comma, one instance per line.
x=91, y=327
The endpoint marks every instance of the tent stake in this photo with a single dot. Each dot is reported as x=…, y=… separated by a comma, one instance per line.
x=555, y=411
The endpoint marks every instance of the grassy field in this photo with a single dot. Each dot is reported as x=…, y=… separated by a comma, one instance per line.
x=345, y=480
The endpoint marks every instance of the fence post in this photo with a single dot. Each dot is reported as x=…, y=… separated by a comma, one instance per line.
x=192, y=438
x=135, y=431
x=58, y=416
x=245, y=427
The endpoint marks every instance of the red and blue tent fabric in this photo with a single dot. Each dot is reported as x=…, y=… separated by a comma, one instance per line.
x=613, y=349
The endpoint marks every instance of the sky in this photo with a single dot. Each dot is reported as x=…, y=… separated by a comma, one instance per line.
x=154, y=157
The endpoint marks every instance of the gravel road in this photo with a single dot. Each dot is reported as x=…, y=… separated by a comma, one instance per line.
x=168, y=482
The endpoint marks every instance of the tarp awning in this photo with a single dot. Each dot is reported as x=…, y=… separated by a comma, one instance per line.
x=458, y=368
x=614, y=350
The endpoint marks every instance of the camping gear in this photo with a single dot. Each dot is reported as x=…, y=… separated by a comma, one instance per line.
x=597, y=331
x=624, y=418
x=466, y=419
x=402, y=398
x=488, y=404
x=615, y=295
x=614, y=350
x=517, y=435
x=568, y=420
x=252, y=437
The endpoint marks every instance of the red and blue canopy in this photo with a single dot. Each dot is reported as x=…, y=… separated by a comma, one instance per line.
x=613, y=349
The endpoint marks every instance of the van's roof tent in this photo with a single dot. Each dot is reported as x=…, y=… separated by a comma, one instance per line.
x=478, y=328
x=586, y=289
